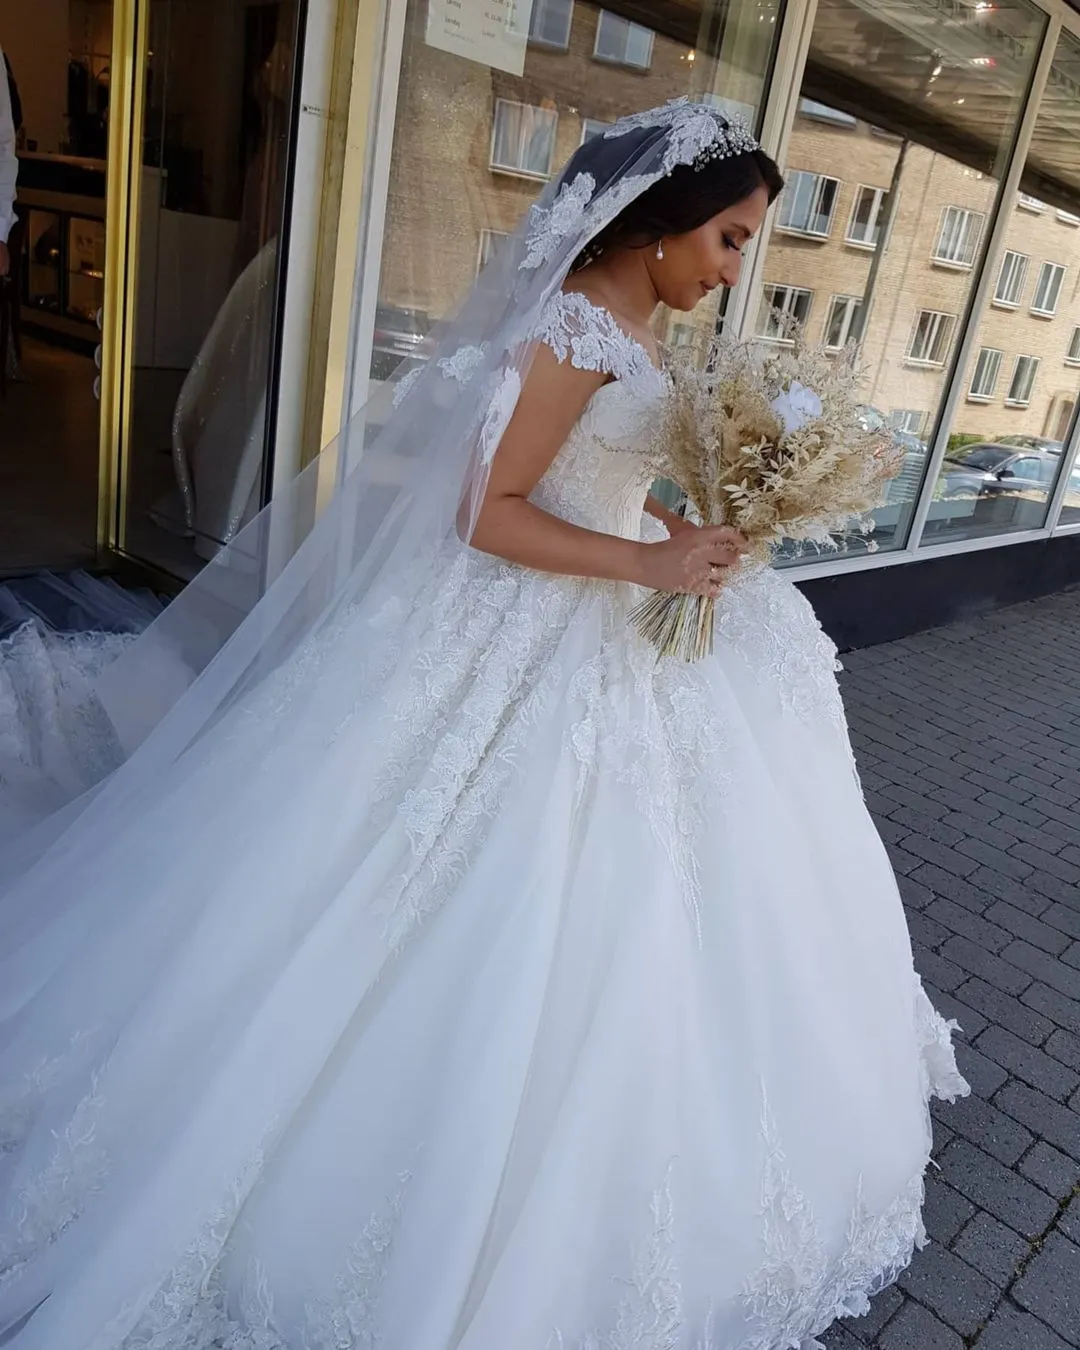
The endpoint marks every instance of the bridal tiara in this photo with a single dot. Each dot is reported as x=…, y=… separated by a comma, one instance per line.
x=734, y=138
x=698, y=133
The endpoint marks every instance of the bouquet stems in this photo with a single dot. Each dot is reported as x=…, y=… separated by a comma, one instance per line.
x=676, y=625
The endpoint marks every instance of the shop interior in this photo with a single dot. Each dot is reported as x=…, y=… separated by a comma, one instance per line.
x=189, y=458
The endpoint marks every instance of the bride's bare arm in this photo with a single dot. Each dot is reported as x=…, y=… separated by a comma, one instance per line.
x=512, y=527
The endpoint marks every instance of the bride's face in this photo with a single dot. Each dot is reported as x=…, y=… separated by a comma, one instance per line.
x=697, y=262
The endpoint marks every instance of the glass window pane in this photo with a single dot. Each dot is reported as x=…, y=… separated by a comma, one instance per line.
x=1033, y=322
x=550, y=22
x=936, y=109
x=501, y=133
x=215, y=156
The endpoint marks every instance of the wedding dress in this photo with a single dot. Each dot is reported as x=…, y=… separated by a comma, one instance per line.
x=566, y=999
x=442, y=971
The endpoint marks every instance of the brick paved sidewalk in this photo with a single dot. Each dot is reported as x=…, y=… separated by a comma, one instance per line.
x=968, y=741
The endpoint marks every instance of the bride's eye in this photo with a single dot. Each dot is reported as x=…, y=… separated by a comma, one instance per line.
x=732, y=244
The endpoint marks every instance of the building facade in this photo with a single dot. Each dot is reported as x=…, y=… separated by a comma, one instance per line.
x=931, y=218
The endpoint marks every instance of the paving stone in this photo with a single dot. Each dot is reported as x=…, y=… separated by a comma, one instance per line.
x=913, y=893
x=1042, y=1115
x=965, y=893
x=948, y=1286
x=1050, y=1286
x=1042, y=861
x=983, y=1124
x=882, y=1308
x=948, y=859
x=1030, y=1065
x=1005, y=1010
x=985, y=1076
x=994, y=1250
x=1026, y=926
x=1064, y=1011
x=1003, y=973
x=954, y=1010
x=982, y=815
x=935, y=968
x=1015, y=892
x=916, y=1328
x=946, y=1211
x=998, y=860
x=1065, y=918
x=927, y=931
x=1011, y=1329
x=1056, y=1173
x=1042, y=966
x=1063, y=1045
x=902, y=861
x=954, y=918
x=839, y=1338
x=993, y=1187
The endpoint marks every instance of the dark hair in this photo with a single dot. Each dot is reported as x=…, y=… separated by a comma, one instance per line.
x=684, y=200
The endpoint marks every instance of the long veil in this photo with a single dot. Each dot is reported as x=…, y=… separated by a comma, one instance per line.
x=417, y=458
x=89, y=915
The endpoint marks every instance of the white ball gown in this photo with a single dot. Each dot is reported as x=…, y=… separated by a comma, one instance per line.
x=529, y=993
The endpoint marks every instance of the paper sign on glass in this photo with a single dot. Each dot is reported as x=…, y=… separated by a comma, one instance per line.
x=493, y=32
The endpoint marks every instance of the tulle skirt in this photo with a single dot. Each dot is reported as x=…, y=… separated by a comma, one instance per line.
x=511, y=990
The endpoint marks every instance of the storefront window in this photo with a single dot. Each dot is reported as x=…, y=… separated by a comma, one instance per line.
x=882, y=229
x=1004, y=450
x=477, y=131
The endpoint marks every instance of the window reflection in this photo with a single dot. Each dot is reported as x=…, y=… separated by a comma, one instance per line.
x=453, y=196
x=882, y=229
x=1004, y=451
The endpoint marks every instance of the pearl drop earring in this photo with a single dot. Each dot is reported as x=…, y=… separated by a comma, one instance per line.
x=660, y=249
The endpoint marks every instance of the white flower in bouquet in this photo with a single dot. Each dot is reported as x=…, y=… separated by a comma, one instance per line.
x=774, y=446
x=796, y=406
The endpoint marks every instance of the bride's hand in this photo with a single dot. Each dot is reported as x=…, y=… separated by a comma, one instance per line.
x=693, y=561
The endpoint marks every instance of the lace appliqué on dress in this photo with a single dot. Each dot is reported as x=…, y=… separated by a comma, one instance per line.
x=771, y=625
x=589, y=336
x=797, y=1292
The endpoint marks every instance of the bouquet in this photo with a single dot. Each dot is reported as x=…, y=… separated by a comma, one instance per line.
x=775, y=446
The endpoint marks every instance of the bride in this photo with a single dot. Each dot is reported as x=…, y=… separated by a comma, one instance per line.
x=442, y=971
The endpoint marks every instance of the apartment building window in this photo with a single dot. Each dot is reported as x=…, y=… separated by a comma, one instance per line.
x=807, y=204
x=549, y=23
x=592, y=126
x=1011, y=278
x=1023, y=381
x=864, y=227
x=623, y=43
x=1067, y=218
x=931, y=338
x=523, y=139
x=489, y=241
x=782, y=308
x=984, y=381
x=909, y=420
x=1029, y=203
x=958, y=237
x=844, y=312
x=1073, y=356
x=1048, y=289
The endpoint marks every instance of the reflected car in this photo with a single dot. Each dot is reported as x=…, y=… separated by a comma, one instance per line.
x=400, y=335
x=1020, y=442
x=991, y=469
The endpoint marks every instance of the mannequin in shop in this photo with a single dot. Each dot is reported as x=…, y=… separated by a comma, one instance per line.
x=219, y=421
x=10, y=233
x=442, y=970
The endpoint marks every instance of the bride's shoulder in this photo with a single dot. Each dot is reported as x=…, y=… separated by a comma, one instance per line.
x=584, y=332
